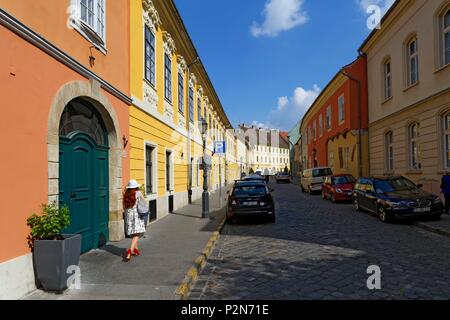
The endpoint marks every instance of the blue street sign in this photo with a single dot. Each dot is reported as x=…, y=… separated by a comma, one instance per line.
x=219, y=147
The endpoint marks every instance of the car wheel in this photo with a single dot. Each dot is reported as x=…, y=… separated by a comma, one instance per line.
x=356, y=204
x=382, y=214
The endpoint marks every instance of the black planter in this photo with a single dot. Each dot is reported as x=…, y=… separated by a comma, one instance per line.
x=52, y=258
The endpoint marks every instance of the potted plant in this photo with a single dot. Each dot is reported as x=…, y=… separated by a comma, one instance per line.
x=53, y=252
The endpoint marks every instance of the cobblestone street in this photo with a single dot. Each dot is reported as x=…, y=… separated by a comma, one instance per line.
x=320, y=250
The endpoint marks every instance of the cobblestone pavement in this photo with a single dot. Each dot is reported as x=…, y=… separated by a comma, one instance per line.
x=320, y=250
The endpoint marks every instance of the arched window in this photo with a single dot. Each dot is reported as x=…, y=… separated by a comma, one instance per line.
x=412, y=54
x=414, y=147
x=80, y=116
x=387, y=79
x=389, y=143
x=446, y=135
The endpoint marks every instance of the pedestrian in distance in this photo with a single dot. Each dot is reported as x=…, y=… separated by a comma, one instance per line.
x=445, y=188
x=135, y=224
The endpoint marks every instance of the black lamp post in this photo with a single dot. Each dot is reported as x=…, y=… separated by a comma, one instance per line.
x=205, y=194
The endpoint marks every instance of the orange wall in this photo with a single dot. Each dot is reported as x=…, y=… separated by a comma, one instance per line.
x=350, y=90
x=49, y=19
x=29, y=81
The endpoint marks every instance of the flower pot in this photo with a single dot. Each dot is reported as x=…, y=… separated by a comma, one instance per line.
x=52, y=259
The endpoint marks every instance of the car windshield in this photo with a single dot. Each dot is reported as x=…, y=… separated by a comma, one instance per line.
x=250, y=190
x=321, y=172
x=343, y=180
x=393, y=185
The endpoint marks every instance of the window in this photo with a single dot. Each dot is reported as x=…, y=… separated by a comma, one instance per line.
x=149, y=169
x=93, y=14
x=320, y=125
x=180, y=93
x=447, y=140
x=341, y=107
x=328, y=119
x=191, y=105
x=414, y=153
x=331, y=159
x=387, y=80
x=389, y=143
x=168, y=78
x=445, y=34
x=168, y=170
x=199, y=109
x=149, y=56
x=346, y=157
x=314, y=129
x=413, y=62
x=341, y=158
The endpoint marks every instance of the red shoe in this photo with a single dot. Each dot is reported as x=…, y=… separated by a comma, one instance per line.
x=127, y=258
x=136, y=252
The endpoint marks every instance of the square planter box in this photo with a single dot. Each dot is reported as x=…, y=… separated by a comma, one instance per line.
x=51, y=260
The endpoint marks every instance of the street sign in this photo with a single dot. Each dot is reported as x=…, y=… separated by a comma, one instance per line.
x=219, y=147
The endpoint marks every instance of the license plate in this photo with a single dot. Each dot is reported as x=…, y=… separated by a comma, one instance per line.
x=422, y=209
x=251, y=203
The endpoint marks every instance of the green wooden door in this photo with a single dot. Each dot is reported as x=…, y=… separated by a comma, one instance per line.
x=83, y=186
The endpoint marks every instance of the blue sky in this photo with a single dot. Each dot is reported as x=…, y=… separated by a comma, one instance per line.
x=269, y=59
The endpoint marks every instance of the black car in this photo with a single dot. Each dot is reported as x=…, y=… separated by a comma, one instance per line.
x=395, y=198
x=250, y=199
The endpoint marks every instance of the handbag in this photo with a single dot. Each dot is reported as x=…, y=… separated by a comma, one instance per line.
x=142, y=208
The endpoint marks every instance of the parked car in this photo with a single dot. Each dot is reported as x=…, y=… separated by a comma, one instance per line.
x=338, y=187
x=254, y=177
x=283, y=177
x=250, y=199
x=313, y=179
x=395, y=198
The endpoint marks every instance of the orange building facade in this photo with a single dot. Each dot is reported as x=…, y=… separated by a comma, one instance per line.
x=334, y=129
x=65, y=111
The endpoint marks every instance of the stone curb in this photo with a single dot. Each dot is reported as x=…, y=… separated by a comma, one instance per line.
x=185, y=287
x=436, y=230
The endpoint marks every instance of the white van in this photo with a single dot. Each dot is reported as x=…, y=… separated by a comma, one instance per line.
x=312, y=179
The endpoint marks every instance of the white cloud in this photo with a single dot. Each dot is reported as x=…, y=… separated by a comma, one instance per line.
x=290, y=110
x=279, y=16
x=383, y=4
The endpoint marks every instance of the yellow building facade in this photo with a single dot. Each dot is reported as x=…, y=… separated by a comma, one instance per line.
x=171, y=94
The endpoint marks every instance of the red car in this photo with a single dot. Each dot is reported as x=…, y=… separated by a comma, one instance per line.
x=338, y=187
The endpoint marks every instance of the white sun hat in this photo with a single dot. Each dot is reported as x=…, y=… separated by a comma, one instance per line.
x=133, y=184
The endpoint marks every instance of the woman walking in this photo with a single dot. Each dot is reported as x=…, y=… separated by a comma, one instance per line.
x=135, y=226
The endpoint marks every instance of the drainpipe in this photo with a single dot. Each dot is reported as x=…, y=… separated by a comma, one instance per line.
x=359, y=120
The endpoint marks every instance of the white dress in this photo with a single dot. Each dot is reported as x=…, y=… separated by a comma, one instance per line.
x=135, y=225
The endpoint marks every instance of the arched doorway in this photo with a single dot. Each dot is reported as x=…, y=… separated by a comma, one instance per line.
x=83, y=172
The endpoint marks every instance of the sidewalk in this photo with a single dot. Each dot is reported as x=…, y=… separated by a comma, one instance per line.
x=441, y=226
x=168, y=251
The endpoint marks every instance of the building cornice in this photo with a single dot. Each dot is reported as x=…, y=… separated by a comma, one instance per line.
x=38, y=41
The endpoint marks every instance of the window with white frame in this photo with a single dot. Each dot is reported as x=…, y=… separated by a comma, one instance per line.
x=328, y=118
x=150, y=56
x=341, y=108
x=414, y=148
x=191, y=104
x=387, y=79
x=413, y=62
x=92, y=15
x=150, y=169
x=199, y=108
x=446, y=136
x=389, y=145
x=167, y=77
